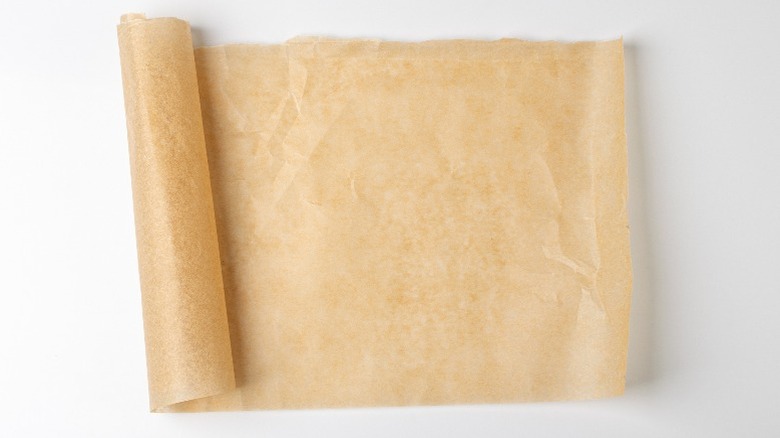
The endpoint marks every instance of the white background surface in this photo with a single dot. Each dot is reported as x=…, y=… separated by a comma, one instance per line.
x=703, y=110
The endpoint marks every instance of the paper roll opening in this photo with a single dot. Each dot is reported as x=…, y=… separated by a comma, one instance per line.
x=185, y=318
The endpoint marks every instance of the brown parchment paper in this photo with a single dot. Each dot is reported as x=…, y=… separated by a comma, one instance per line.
x=327, y=223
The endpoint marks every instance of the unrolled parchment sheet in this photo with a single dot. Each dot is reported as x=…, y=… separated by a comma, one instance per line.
x=326, y=223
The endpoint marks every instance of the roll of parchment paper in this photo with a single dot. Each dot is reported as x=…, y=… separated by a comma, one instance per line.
x=185, y=320
x=328, y=223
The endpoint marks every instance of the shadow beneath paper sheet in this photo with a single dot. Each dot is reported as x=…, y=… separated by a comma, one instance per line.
x=240, y=347
x=199, y=36
x=642, y=348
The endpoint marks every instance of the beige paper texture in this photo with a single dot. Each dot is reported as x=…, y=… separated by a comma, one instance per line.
x=329, y=223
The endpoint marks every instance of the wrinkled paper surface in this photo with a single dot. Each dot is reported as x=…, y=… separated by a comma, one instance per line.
x=328, y=223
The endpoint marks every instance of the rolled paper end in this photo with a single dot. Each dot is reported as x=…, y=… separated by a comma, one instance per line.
x=185, y=318
x=131, y=17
